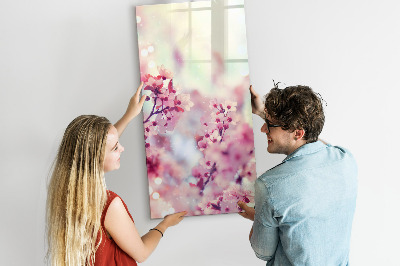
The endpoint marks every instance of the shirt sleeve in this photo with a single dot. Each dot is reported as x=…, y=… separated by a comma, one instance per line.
x=264, y=239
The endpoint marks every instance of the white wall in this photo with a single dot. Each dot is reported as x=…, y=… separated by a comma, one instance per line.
x=60, y=59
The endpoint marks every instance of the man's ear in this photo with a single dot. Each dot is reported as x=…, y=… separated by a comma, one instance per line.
x=299, y=134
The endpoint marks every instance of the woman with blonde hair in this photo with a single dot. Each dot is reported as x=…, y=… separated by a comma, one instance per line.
x=86, y=223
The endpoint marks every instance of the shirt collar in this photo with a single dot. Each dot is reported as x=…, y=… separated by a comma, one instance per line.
x=306, y=149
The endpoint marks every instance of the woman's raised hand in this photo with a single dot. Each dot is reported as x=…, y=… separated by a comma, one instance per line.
x=135, y=105
x=174, y=219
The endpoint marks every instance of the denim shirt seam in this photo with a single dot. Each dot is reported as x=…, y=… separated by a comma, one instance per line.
x=298, y=153
x=284, y=176
x=273, y=209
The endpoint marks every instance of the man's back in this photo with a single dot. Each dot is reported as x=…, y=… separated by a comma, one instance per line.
x=305, y=208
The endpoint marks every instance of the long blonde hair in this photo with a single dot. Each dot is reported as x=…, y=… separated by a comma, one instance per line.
x=77, y=193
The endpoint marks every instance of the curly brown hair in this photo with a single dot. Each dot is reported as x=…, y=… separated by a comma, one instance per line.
x=297, y=107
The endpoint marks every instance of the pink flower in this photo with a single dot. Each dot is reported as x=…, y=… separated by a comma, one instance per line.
x=210, y=206
x=202, y=144
x=215, y=136
x=206, y=120
x=233, y=118
x=183, y=100
x=164, y=73
x=237, y=156
x=213, y=104
x=230, y=106
x=217, y=117
x=154, y=82
x=150, y=130
x=153, y=165
x=145, y=77
x=223, y=179
x=167, y=121
x=248, y=171
x=206, y=164
x=245, y=136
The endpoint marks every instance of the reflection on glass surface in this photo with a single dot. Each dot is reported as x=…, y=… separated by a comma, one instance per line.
x=236, y=41
x=235, y=72
x=235, y=2
x=197, y=75
x=178, y=5
x=199, y=4
x=201, y=35
x=180, y=35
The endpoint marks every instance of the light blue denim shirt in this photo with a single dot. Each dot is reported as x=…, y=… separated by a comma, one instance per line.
x=305, y=208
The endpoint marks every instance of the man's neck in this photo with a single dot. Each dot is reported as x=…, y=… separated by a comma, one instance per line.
x=297, y=145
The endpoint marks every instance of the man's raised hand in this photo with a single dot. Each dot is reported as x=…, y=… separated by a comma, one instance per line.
x=257, y=106
x=248, y=212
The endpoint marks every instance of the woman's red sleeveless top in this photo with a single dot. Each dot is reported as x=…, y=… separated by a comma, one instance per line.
x=108, y=253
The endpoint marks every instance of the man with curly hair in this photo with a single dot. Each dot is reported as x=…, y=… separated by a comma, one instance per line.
x=304, y=206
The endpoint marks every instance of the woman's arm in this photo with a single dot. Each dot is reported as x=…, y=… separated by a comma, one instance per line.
x=134, y=108
x=122, y=229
